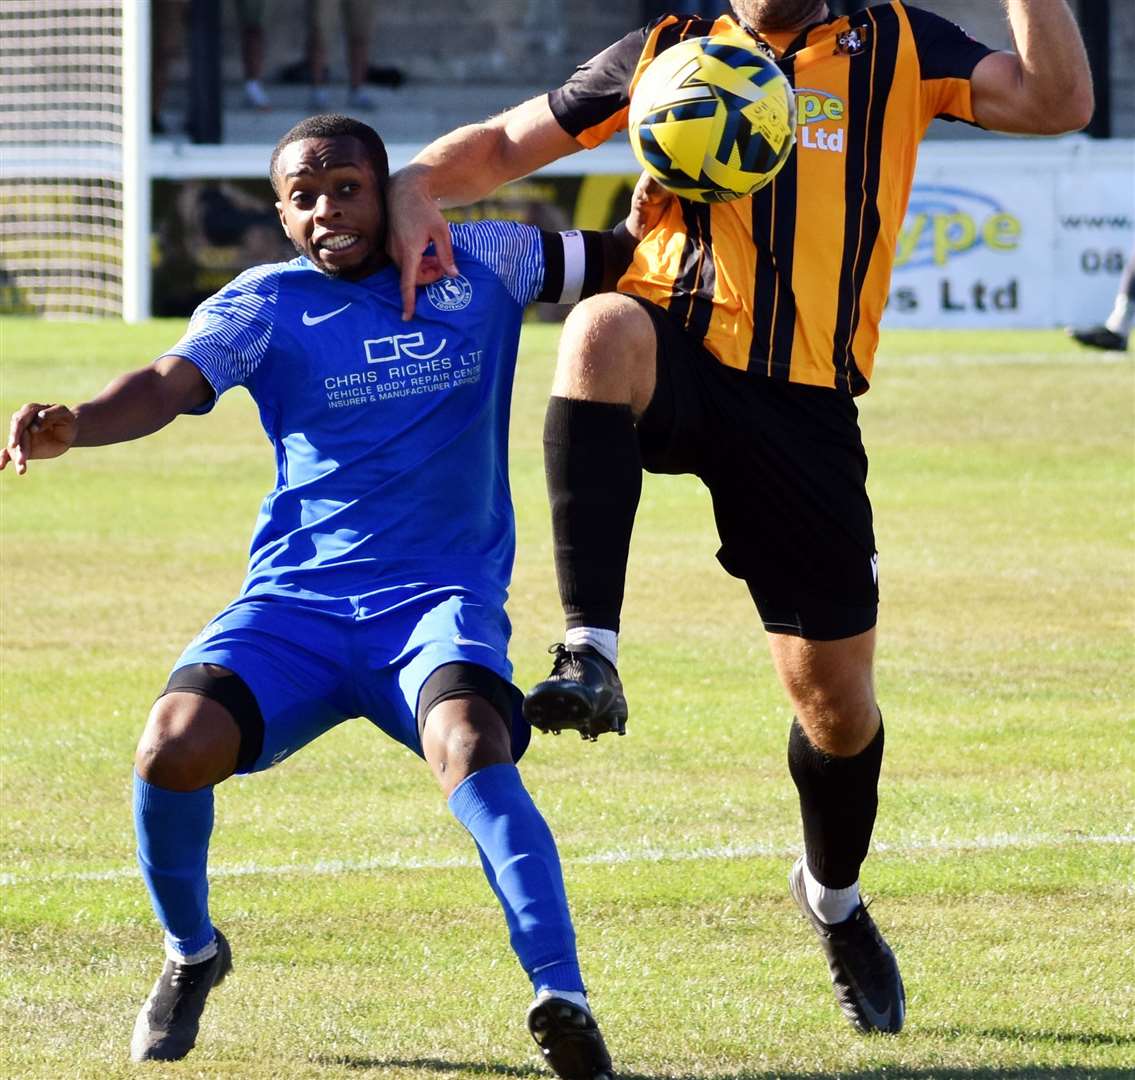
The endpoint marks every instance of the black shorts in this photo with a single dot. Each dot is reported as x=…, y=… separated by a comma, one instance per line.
x=786, y=468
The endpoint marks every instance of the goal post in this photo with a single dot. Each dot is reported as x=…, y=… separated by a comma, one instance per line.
x=135, y=160
x=74, y=154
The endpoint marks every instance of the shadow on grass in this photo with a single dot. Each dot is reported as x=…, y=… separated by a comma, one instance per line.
x=881, y=1072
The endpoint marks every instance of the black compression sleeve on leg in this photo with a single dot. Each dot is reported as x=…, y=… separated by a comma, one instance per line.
x=230, y=691
x=838, y=801
x=594, y=474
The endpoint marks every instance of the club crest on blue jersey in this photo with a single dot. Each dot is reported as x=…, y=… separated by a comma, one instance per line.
x=450, y=293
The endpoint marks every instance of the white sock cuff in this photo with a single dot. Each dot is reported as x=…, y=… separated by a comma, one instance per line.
x=604, y=642
x=830, y=905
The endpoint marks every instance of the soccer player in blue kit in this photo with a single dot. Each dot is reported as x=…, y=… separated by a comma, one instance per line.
x=380, y=561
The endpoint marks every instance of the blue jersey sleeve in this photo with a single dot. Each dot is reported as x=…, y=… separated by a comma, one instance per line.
x=514, y=252
x=229, y=333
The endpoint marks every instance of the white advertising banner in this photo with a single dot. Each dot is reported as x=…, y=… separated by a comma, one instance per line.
x=1014, y=233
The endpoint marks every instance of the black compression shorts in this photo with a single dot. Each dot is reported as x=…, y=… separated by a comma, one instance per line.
x=787, y=472
x=462, y=679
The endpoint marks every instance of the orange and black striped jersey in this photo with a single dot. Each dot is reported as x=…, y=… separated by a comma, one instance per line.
x=792, y=281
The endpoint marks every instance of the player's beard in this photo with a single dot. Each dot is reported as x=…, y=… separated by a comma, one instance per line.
x=779, y=14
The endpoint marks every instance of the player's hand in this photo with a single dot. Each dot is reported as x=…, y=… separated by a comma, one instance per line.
x=649, y=202
x=38, y=431
x=429, y=270
x=415, y=223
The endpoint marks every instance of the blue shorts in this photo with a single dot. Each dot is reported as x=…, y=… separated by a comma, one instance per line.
x=310, y=670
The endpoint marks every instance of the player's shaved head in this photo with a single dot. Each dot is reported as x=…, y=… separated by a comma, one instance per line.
x=780, y=14
x=331, y=126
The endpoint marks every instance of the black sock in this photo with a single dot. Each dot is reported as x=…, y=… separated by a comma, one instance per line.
x=594, y=475
x=838, y=800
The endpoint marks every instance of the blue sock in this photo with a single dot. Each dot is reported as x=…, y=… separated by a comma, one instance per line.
x=523, y=868
x=173, y=829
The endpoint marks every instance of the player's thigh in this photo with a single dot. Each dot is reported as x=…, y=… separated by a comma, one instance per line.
x=292, y=662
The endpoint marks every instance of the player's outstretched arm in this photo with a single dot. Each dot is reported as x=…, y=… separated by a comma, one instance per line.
x=133, y=405
x=460, y=168
x=1045, y=87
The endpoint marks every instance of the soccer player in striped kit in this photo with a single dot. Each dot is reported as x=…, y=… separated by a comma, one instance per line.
x=380, y=562
x=734, y=350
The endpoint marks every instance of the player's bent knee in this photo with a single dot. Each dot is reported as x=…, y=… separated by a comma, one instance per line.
x=465, y=721
x=179, y=752
x=204, y=727
x=839, y=719
x=839, y=694
x=606, y=322
x=841, y=715
x=461, y=737
x=468, y=733
x=607, y=348
x=832, y=690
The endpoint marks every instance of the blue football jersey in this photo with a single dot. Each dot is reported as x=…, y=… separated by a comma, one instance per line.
x=391, y=437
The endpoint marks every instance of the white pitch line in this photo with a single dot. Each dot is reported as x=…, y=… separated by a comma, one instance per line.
x=998, y=842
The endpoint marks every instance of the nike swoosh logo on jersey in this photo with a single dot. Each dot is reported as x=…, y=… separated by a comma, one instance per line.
x=315, y=320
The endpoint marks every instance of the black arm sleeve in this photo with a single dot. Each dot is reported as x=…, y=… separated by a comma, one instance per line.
x=575, y=265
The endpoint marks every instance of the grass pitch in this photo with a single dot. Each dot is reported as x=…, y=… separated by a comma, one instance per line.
x=366, y=941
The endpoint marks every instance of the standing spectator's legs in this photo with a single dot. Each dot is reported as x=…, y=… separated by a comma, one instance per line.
x=358, y=23
x=251, y=15
x=358, y=26
x=320, y=14
x=167, y=27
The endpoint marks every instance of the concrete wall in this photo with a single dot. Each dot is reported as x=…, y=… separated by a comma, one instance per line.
x=536, y=43
x=985, y=20
x=521, y=41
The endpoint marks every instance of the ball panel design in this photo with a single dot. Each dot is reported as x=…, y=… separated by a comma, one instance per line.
x=712, y=120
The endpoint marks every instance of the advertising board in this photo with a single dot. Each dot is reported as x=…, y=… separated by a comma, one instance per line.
x=998, y=233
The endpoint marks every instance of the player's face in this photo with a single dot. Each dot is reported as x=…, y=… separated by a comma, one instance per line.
x=331, y=205
x=780, y=14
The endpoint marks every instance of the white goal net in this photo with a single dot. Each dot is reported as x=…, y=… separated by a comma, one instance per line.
x=69, y=154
